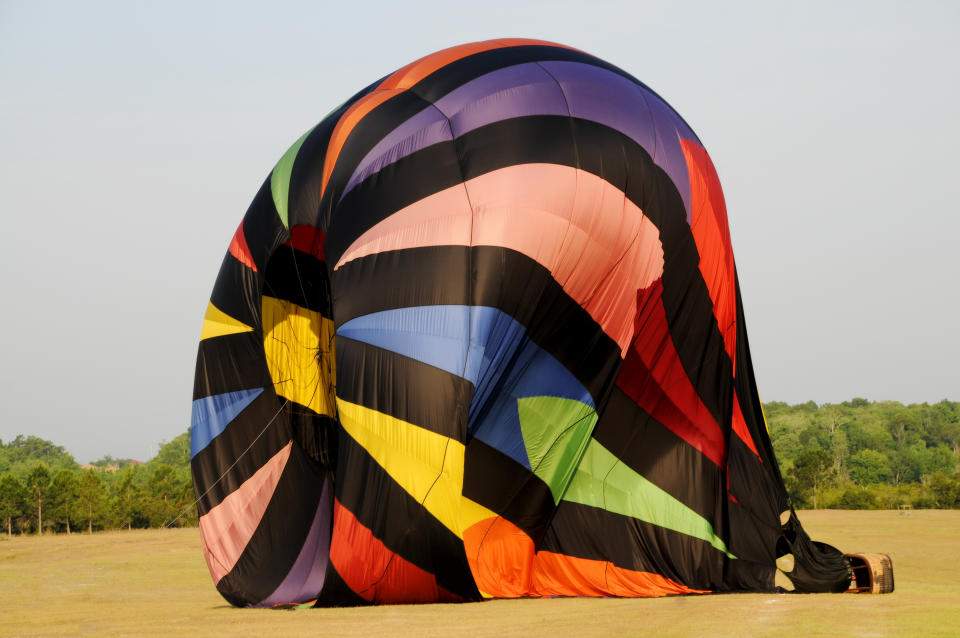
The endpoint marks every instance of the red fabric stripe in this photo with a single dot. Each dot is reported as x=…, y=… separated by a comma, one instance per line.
x=239, y=249
x=307, y=239
x=375, y=572
x=712, y=235
x=653, y=376
x=740, y=427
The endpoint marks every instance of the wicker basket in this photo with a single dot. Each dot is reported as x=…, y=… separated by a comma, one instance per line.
x=871, y=573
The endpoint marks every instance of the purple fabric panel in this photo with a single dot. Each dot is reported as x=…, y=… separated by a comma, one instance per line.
x=306, y=577
x=590, y=92
x=427, y=127
x=611, y=99
x=524, y=89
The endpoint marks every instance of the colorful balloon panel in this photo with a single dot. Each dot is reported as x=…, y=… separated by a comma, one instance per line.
x=479, y=335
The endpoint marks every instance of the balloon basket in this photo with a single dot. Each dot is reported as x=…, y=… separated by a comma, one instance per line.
x=870, y=573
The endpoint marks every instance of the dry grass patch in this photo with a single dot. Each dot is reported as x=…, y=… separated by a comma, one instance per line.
x=155, y=583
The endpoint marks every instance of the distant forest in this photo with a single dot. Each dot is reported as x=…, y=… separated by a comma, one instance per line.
x=43, y=487
x=853, y=455
x=868, y=455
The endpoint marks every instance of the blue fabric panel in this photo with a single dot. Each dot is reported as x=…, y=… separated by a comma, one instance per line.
x=435, y=335
x=211, y=415
x=494, y=418
x=483, y=345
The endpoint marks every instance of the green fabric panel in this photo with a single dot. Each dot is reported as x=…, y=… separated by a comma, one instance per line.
x=603, y=481
x=280, y=178
x=555, y=433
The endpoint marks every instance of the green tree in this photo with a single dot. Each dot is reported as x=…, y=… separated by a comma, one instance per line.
x=946, y=490
x=175, y=452
x=21, y=454
x=786, y=442
x=810, y=472
x=840, y=450
x=62, y=499
x=38, y=480
x=868, y=467
x=855, y=498
x=127, y=502
x=166, y=490
x=903, y=425
x=91, y=499
x=13, y=500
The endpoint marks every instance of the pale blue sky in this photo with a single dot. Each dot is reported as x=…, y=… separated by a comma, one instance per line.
x=132, y=139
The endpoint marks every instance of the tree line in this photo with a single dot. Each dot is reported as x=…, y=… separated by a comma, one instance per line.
x=43, y=489
x=853, y=455
x=868, y=455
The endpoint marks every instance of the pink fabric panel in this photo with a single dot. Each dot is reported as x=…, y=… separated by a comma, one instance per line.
x=226, y=529
x=442, y=219
x=595, y=242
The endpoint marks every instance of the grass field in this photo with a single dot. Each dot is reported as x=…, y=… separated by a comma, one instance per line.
x=155, y=583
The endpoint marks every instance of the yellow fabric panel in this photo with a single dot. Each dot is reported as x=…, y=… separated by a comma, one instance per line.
x=414, y=457
x=298, y=343
x=217, y=323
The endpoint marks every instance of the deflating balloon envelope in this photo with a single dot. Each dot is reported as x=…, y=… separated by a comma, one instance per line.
x=478, y=335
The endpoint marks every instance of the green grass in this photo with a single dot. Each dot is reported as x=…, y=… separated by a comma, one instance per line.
x=155, y=583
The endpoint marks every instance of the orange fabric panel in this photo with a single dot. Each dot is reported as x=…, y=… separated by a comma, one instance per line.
x=401, y=80
x=712, y=236
x=562, y=575
x=376, y=573
x=740, y=426
x=500, y=555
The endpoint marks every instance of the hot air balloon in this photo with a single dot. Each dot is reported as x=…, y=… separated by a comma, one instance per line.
x=480, y=335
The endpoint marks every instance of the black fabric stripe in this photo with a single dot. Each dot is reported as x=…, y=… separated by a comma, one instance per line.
x=262, y=228
x=404, y=388
x=649, y=448
x=757, y=486
x=753, y=519
x=275, y=544
x=387, y=191
x=387, y=116
x=306, y=176
x=237, y=289
x=496, y=481
x=230, y=363
x=295, y=276
x=237, y=292
x=429, y=276
x=597, y=534
x=399, y=521
x=226, y=462
x=502, y=279
x=316, y=434
x=746, y=389
x=365, y=135
x=601, y=151
x=542, y=138
x=457, y=73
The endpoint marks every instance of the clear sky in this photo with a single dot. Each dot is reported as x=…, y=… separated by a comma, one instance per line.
x=134, y=135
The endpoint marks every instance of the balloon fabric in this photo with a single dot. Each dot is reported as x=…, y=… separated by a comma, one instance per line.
x=480, y=335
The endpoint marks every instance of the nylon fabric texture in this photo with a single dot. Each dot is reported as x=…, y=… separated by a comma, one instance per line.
x=480, y=335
